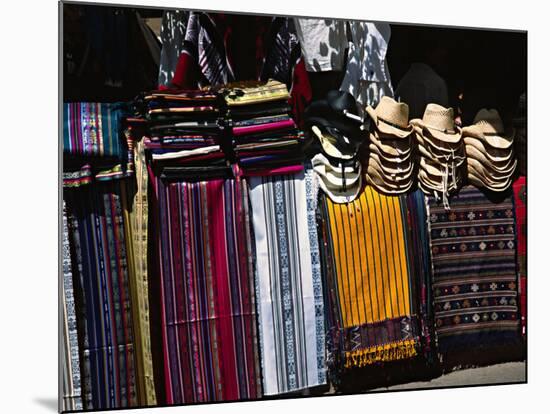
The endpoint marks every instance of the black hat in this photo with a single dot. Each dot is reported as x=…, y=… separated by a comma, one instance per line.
x=331, y=113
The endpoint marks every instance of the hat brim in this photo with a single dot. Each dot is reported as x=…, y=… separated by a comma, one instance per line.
x=493, y=154
x=501, y=167
x=478, y=182
x=337, y=179
x=374, y=178
x=337, y=195
x=491, y=177
x=348, y=129
x=329, y=147
x=504, y=141
x=394, y=172
x=393, y=147
x=373, y=149
x=385, y=128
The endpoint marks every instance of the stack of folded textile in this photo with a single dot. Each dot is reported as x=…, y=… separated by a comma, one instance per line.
x=265, y=138
x=489, y=151
x=334, y=123
x=390, y=165
x=441, y=150
x=185, y=133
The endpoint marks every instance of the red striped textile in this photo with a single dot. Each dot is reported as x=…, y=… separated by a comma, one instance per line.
x=207, y=292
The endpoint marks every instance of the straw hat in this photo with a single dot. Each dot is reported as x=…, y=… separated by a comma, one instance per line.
x=394, y=171
x=493, y=154
x=488, y=127
x=491, y=177
x=478, y=182
x=503, y=167
x=390, y=147
x=391, y=117
x=376, y=180
x=438, y=122
x=398, y=159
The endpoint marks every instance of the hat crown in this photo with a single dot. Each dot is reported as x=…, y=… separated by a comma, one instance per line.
x=393, y=112
x=439, y=117
x=489, y=121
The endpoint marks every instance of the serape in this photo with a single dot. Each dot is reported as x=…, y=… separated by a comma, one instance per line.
x=207, y=292
x=420, y=258
x=369, y=280
x=105, y=326
x=93, y=129
x=136, y=212
x=473, y=251
x=520, y=208
x=288, y=282
x=72, y=390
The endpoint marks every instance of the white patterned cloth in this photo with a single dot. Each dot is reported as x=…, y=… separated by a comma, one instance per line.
x=323, y=43
x=367, y=75
x=288, y=282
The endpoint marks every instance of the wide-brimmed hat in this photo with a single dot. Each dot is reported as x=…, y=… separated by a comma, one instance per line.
x=488, y=127
x=434, y=145
x=490, y=176
x=494, y=154
x=334, y=146
x=393, y=171
x=336, y=175
x=502, y=167
x=331, y=112
x=391, y=117
x=479, y=182
x=391, y=147
x=438, y=122
x=373, y=149
x=378, y=181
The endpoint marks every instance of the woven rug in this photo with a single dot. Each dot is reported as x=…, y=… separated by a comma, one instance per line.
x=288, y=282
x=475, y=285
x=207, y=293
x=368, y=276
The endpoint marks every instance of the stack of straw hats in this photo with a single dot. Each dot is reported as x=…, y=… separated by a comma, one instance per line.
x=441, y=152
x=390, y=159
x=489, y=151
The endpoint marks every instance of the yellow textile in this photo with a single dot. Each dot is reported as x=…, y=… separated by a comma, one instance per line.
x=135, y=219
x=371, y=269
x=255, y=92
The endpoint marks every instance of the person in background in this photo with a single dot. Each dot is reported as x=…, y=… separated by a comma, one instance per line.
x=422, y=84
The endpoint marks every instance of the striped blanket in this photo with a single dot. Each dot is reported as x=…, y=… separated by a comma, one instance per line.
x=207, y=294
x=288, y=282
x=369, y=280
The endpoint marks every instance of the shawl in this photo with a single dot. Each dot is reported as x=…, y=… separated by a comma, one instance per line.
x=475, y=284
x=135, y=213
x=72, y=390
x=369, y=280
x=288, y=282
x=520, y=208
x=105, y=321
x=208, y=317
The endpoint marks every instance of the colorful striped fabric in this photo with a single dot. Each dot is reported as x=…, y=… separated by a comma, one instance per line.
x=136, y=210
x=288, y=282
x=207, y=292
x=474, y=272
x=369, y=280
x=420, y=259
x=72, y=390
x=520, y=208
x=93, y=129
x=105, y=324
